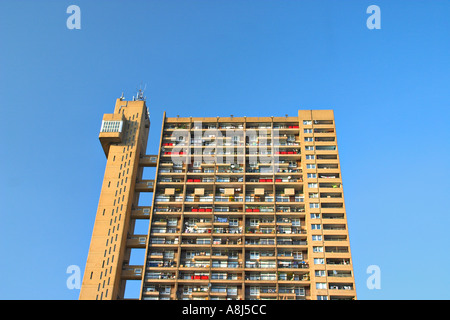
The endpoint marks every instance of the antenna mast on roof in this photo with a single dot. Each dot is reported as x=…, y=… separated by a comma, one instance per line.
x=140, y=94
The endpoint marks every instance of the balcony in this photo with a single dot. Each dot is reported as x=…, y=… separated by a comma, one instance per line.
x=293, y=265
x=341, y=288
x=336, y=185
x=231, y=198
x=166, y=209
x=169, y=198
x=338, y=261
x=259, y=209
x=157, y=276
x=290, y=242
x=199, y=198
x=340, y=274
x=163, y=241
x=293, y=198
x=289, y=277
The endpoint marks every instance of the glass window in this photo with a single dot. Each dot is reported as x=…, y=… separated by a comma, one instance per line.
x=320, y=273
x=319, y=261
x=111, y=126
x=321, y=285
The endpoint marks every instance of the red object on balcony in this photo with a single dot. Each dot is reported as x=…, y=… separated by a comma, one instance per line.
x=262, y=180
x=201, y=210
x=208, y=210
x=295, y=127
x=196, y=277
x=278, y=180
x=291, y=152
x=194, y=210
x=255, y=210
x=197, y=180
x=268, y=180
x=190, y=180
x=205, y=277
x=290, y=127
x=248, y=210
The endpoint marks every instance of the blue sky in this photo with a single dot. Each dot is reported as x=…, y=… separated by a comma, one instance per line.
x=388, y=88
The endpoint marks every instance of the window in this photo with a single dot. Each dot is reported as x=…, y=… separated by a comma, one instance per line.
x=315, y=215
x=312, y=175
x=317, y=237
x=196, y=164
x=321, y=285
x=111, y=126
x=314, y=205
x=307, y=122
x=307, y=130
x=254, y=291
x=319, y=261
x=320, y=273
x=316, y=227
x=317, y=249
x=326, y=148
x=308, y=139
x=313, y=195
x=254, y=255
x=322, y=297
x=310, y=157
x=310, y=166
x=312, y=185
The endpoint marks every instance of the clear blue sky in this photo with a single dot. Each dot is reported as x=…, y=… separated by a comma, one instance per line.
x=389, y=89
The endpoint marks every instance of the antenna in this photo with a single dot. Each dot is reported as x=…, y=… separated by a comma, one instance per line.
x=140, y=94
